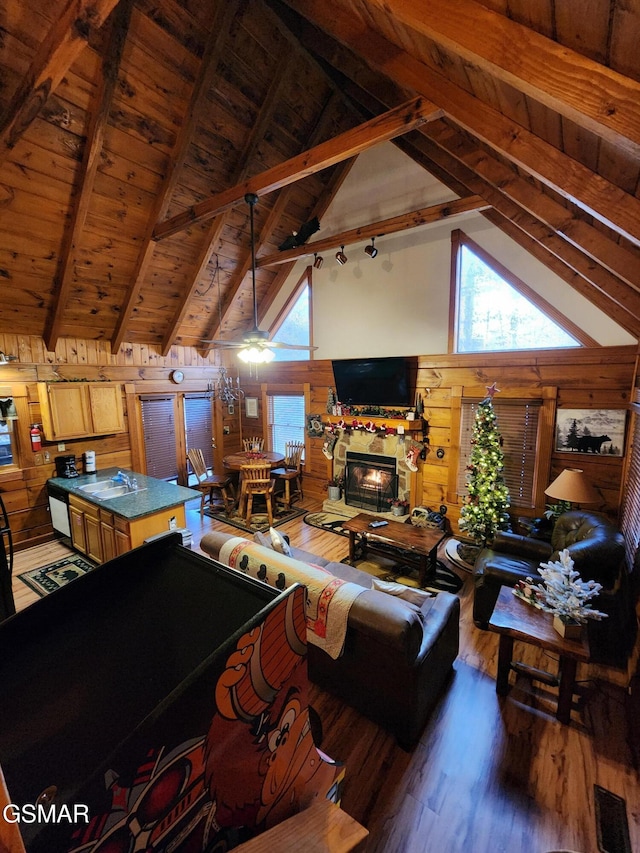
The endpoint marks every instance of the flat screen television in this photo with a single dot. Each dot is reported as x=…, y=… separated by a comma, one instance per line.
x=372, y=381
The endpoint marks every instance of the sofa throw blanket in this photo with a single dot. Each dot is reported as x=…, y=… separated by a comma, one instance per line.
x=328, y=598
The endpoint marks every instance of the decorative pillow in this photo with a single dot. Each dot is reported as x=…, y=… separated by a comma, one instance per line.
x=260, y=539
x=279, y=543
x=407, y=593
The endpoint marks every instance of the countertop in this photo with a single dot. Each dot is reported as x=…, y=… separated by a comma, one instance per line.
x=152, y=496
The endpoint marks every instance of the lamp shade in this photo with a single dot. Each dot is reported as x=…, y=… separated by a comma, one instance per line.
x=572, y=486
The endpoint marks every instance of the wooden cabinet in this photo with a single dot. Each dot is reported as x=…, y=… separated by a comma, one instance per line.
x=80, y=409
x=103, y=535
x=94, y=533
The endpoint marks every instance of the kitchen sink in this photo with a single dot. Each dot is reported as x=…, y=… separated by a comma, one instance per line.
x=98, y=486
x=104, y=490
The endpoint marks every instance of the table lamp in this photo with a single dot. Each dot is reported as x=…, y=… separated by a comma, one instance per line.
x=572, y=487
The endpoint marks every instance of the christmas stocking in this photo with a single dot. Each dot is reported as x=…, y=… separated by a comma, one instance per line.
x=329, y=444
x=411, y=459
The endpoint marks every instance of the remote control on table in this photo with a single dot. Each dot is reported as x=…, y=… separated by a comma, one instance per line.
x=378, y=523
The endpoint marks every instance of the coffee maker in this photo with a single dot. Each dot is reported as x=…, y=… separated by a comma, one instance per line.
x=66, y=466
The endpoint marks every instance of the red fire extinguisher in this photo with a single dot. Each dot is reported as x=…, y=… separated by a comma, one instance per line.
x=36, y=439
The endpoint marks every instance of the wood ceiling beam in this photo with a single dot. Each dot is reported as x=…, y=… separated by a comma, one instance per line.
x=394, y=123
x=593, y=96
x=273, y=219
x=393, y=225
x=118, y=25
x=591, y=280
x=598, y=285
x=64, y=42
x=225, y=13
x=214, y=232
x=625, y=319
x=575, y=182
x=319, y=210
x=624, y=264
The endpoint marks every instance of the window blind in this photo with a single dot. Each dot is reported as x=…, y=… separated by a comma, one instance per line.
x=517, y=423
x=630, y=520
x=286, y=420
x=159, y=437
x=197, y=425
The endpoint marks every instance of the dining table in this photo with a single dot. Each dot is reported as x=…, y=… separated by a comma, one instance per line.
x=235, y=461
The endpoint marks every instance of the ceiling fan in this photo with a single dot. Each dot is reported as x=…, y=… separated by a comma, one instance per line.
x=255, y=346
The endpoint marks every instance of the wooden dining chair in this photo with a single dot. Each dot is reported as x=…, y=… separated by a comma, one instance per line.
x=256, y=480
x=208, y=484
x=256, y=443
x=290, y=475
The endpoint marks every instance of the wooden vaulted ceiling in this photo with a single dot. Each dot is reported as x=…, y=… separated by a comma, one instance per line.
x=132, y=130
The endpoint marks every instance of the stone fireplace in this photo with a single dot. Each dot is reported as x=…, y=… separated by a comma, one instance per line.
x=358, y=443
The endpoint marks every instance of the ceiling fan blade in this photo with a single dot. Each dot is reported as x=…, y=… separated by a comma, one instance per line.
x=289, y=346
x=229, y=344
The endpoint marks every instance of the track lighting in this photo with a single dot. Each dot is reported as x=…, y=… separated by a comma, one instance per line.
x=341, y=258
x=371, y=250
x=317, y=260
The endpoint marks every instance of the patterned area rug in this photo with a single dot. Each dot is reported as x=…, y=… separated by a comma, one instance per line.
x=259, y=521
x=49, y=578
x=392, y=568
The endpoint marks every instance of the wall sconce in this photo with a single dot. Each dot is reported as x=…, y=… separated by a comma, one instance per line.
x=341, y=258
x=371, y=250
x=317, y=260
x=5, y=359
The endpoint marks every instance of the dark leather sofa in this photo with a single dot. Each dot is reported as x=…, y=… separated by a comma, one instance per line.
x=397, y=656
x=597, y=550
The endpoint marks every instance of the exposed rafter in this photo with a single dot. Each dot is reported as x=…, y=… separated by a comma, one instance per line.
x=118, y=28
x=225, y=13
x=598, y=99
x=218, y=224
x=67, y=37
x=274, y=217
x=394, y=123
x=568, y=177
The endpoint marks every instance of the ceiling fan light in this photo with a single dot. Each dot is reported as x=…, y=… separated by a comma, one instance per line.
x=256, y=355
x=341, y=258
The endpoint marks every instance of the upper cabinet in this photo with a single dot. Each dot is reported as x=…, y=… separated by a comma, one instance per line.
x=79, y=409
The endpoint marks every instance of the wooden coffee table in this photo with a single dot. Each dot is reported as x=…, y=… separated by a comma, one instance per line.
x=514, y=619
x=421, y=542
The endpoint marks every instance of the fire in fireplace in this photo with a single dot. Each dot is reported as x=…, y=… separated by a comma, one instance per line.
x=370, y=481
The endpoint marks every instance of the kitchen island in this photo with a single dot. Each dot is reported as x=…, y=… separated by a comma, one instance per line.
x=104, y=527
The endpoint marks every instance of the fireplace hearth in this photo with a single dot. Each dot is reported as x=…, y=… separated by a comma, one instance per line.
x=370, y=481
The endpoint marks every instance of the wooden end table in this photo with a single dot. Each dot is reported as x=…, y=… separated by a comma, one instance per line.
x=514, y=619
x=421, y=542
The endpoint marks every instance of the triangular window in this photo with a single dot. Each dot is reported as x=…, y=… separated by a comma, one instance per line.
x=497, y=311
x=295, y=325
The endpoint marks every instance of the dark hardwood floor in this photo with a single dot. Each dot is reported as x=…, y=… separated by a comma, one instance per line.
x=489, y=773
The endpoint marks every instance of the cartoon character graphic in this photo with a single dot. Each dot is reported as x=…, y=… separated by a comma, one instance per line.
x=256, y=765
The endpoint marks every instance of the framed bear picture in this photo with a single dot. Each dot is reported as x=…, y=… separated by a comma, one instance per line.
x=597, y=431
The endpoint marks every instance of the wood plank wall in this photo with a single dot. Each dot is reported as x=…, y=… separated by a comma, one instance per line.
x=598, y=378
x=139, y=368
x=576, y=378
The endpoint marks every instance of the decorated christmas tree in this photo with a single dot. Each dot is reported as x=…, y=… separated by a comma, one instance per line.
x=485, y=508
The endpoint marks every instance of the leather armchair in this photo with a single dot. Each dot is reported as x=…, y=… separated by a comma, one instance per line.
x=597, y=549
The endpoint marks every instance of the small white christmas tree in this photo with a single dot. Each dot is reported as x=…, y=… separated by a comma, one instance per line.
x=564, y=593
